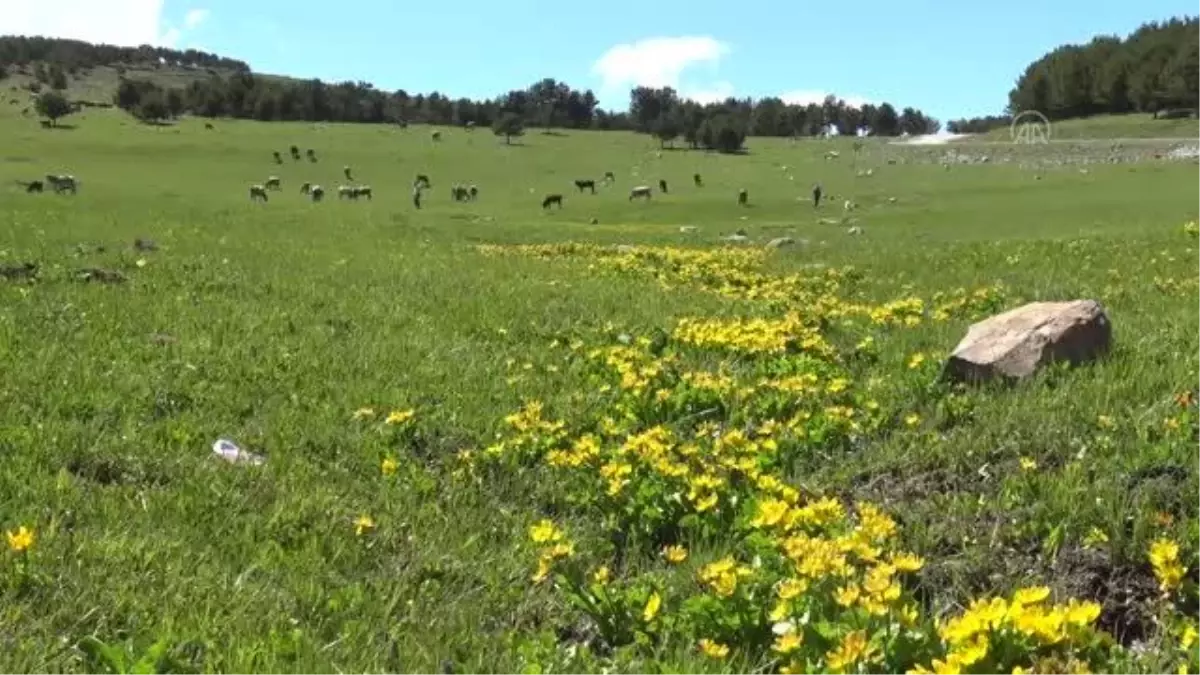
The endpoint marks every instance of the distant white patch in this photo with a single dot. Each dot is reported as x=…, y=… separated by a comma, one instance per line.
x=118, y=22
x=659, y=62
x=809, y=96
x=194, y=18
x=932, y=139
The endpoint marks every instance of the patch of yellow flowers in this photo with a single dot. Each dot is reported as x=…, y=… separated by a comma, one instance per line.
x=801, y=581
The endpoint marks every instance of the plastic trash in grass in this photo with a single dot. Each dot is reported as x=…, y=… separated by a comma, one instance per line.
x=230, y=452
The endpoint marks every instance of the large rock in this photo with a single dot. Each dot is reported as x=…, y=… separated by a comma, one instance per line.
x=1015, y=344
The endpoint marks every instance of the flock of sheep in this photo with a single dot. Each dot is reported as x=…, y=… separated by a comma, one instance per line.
x=60, y=183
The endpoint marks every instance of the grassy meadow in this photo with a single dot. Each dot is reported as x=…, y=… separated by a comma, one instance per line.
x=690, y=489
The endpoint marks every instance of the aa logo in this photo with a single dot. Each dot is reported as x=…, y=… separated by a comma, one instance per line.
x=1030, y=127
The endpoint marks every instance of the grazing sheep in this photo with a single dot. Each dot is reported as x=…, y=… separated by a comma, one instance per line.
x=436, y=136
x=306, y=188
x=743, y=197
x=832, y=154
x=31, y=186
x=583, y=183
x=347, y=192
x=317, y=193
x=273, y=183
x=642, y=191
x=662, y=185
x=422, y=181
x=209, y=126
x=609, y=177
x=258, y=192
x=363, y=191
x=816, y=195
x=417, y=195
x=62, y=183
x=312, y=155
x=346, y=170
x=458, y=192
x=470, y=126
x=296, y=153
x=697, y=180
x=552, y=199
x=473, y=191
x=278, y=157
x=849, y=205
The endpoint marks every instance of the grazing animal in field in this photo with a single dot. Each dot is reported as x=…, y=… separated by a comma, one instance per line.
x=473, y=191
x=848, y=205
x=23, y=271
x=642, y=191
x=832, y=154
x=422, y=181
x=697, y=180
x=743, y=197
x=312, y=155
x=363, y=191
x=258, y=192
x=662, y=185
x=31, y=186
x=278, y=157
x=586, y=183
x=46, y=124
x=296, y=152
x=816, y=195
x=346, y=170
x=437, y=135
x=209, y=126
x=273, y=183
x=609, y=177
x=470, y=126
x=417, y=195
x=317, y=193
x=347, y=192
x=62, y=184
x=552, y=199
x=306, y=188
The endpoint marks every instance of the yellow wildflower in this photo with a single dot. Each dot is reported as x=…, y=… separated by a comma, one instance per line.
x=791, y=588
x=846, y=595
x=912, y=420
x=907, y=562
x=675, y=554
x=601, y=575
x=362, y=524
x=916, y=360
x=1105, y=422
x=854, y=648
x=364, y=413
x=770, y=512
x=543, y=569
x=1164, y=558
x=544, y=531
x=20, y=540
x=1028, y=464
x=788, y=642
x=1190, y=634
x=388, y=466
x=1095, y=537
x=400, y=416
x=1082, y=613
x=714, y=650
x=1031, y=595
x=652, y=607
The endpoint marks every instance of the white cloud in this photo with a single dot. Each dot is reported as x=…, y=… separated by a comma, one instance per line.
x=807, y=96
x=659, y=62
x=118, y=22
x=194, y=18
x=715, y=93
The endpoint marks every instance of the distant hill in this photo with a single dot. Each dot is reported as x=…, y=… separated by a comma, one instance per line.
x=157, y=85
x=1155, y=70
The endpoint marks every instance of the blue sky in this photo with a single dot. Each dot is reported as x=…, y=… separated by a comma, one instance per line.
x=950, y=59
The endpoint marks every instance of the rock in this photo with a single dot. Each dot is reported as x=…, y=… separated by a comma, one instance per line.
x=1015, y=344
x=854, y=230
x=780, y=242
x=736, y=238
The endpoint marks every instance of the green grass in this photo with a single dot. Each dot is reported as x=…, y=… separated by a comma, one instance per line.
x=288, y=316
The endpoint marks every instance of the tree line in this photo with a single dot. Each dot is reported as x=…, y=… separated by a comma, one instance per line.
x=1153, y=70
x=73, y=55
x=548, y=103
